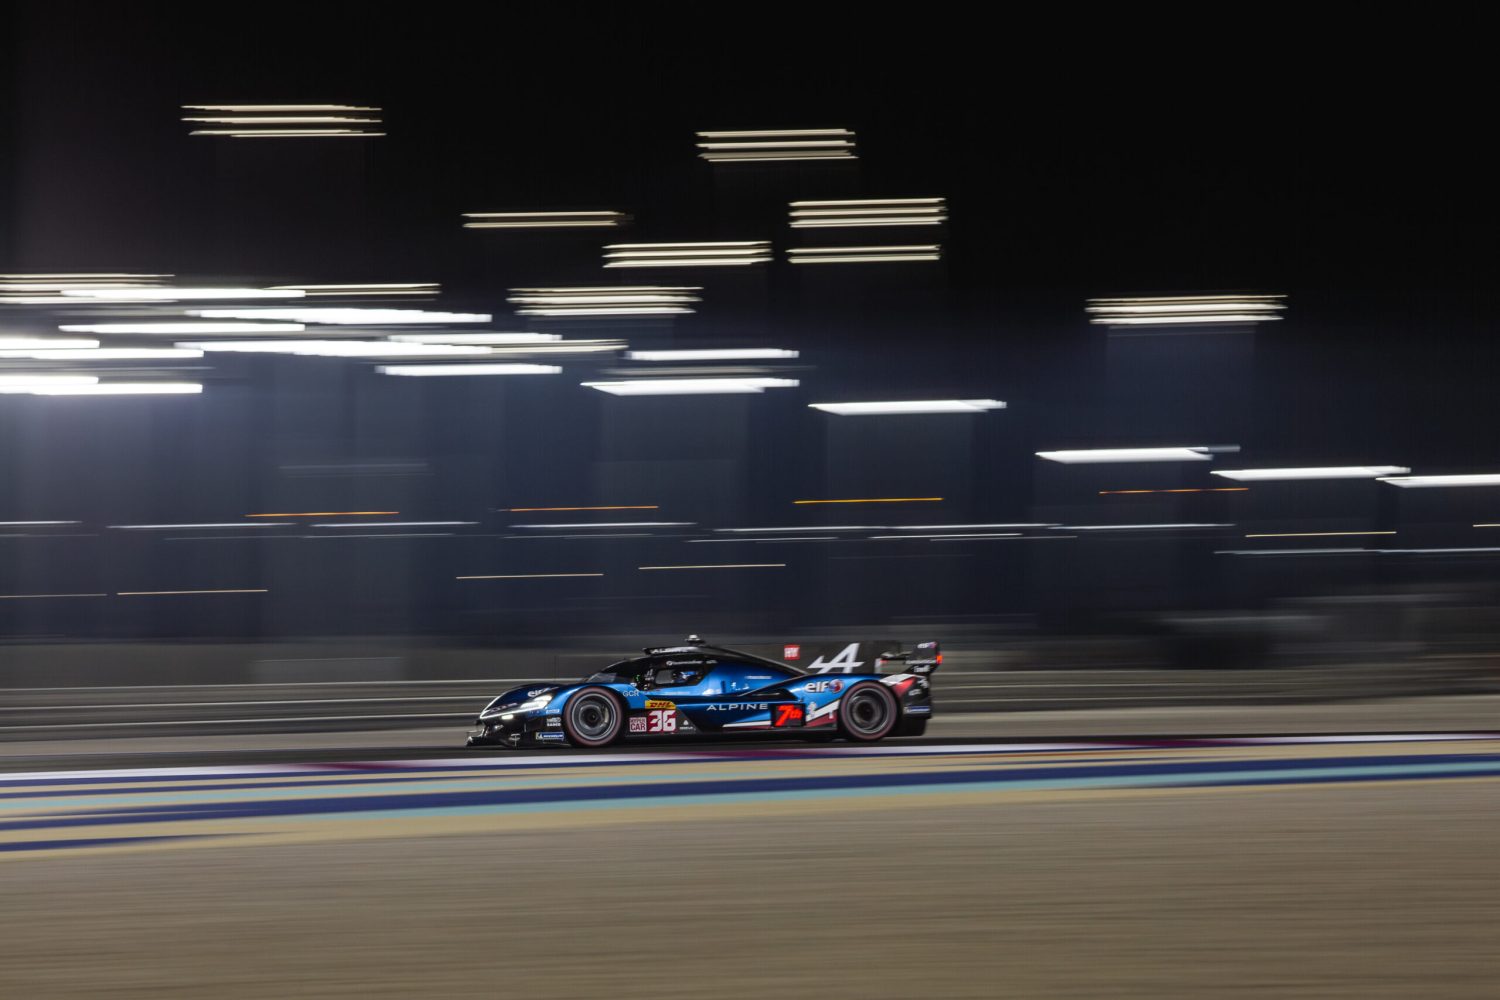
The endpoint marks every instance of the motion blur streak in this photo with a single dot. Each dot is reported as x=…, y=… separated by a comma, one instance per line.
x=875, y=500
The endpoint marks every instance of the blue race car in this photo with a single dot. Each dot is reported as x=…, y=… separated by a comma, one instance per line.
x=699, y=689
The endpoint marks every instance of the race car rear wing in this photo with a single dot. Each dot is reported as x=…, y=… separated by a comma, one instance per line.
x=923, y=658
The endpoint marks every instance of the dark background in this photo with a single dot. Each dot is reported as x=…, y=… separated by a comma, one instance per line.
x=1330, y=154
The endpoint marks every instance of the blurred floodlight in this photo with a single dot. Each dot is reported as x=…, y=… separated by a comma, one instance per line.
x=771, y=145
x=717, y=354
x=1135, y=527
x=544, y=220
x=184, y=328
x=120, y=389
x=864, y=255
x=168, y=294
x=476, y=338
x=690, y=386
x=811, y=527
x=949, y=527
x=1194, y=453
x=910, y=406
x=25, y=383
x=105, y=354
x=475, y=369
x=605, y=300
x=340, y=348
x=421, y=289
x=281, y=120
x=44, y=343
x=1477, y=479
x=867, y=213
x=219, y=524
x=342, y=315
x=1326, y=472
x=719, y=254
x=612, y=524
x=1192, y=310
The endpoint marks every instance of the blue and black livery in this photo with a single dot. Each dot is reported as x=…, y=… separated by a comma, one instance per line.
x=701, y=689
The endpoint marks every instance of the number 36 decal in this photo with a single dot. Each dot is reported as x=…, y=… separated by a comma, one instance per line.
x=661, y=720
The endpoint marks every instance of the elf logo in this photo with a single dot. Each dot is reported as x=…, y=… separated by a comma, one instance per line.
x=843, y=663
x=820, y=687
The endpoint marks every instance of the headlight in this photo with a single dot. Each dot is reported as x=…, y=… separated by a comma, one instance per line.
x=540, y=701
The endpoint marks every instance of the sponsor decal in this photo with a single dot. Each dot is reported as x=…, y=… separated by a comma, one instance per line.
x=843, y=663
x=638, y=724
x=554, y=722
x=819, y=687
x=787, y=715
x=661, y=720
x=657, y=703
x=791, y=652
x=758, y=677
x=919, y=710
x=551, y=737
x=553, y=711
x=537, y=691
x=738, y=706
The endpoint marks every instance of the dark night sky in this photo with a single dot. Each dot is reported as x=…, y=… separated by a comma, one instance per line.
x=1326, y=152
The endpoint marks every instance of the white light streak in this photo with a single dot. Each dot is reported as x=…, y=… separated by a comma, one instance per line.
x=770, y=144
x=721, y=566
x=184, y=328
x=690, y=386
x=867, y=213
x=342, y=315
x=910, y=406
x=166, y=294
x=222, y=524
x=1135, y=527
x=25, y=383
x=947, y=527
x=536, y=220
x=1197, y=310
x=525, y=576
x=45, y=343
x=864, y=254
x=475, y=369
x=121, y=389
x=1315, y=472
x=1192, y=453
x=392, y=524
x=476, y=338
x=1473, y=479
x=720, y=354
x=105, y=354
x=612, y=524
x=605, y=300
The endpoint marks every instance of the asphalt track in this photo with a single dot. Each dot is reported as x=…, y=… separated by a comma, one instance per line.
x=1348, y=865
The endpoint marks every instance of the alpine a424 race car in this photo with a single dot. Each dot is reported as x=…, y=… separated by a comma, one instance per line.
x=698, y=689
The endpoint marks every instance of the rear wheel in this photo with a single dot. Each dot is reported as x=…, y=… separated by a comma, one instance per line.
x=867, y=712
x=593, y=718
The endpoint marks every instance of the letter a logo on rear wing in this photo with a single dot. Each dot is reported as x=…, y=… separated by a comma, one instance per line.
x=845, y=662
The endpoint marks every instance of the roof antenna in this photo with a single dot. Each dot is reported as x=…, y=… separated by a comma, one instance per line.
x=694, y=640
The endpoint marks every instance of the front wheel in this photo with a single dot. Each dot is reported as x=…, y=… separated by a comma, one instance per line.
x=593, y=718
x=867, y=713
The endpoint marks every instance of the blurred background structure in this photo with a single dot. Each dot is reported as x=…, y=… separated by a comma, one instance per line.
x=1129, y=247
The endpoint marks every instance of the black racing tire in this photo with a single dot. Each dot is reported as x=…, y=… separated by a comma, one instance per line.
x=594, y=717
x=910, y=726
x=867, y=712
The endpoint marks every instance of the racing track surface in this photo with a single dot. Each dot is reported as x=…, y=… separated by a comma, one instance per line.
x=1314, y=866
